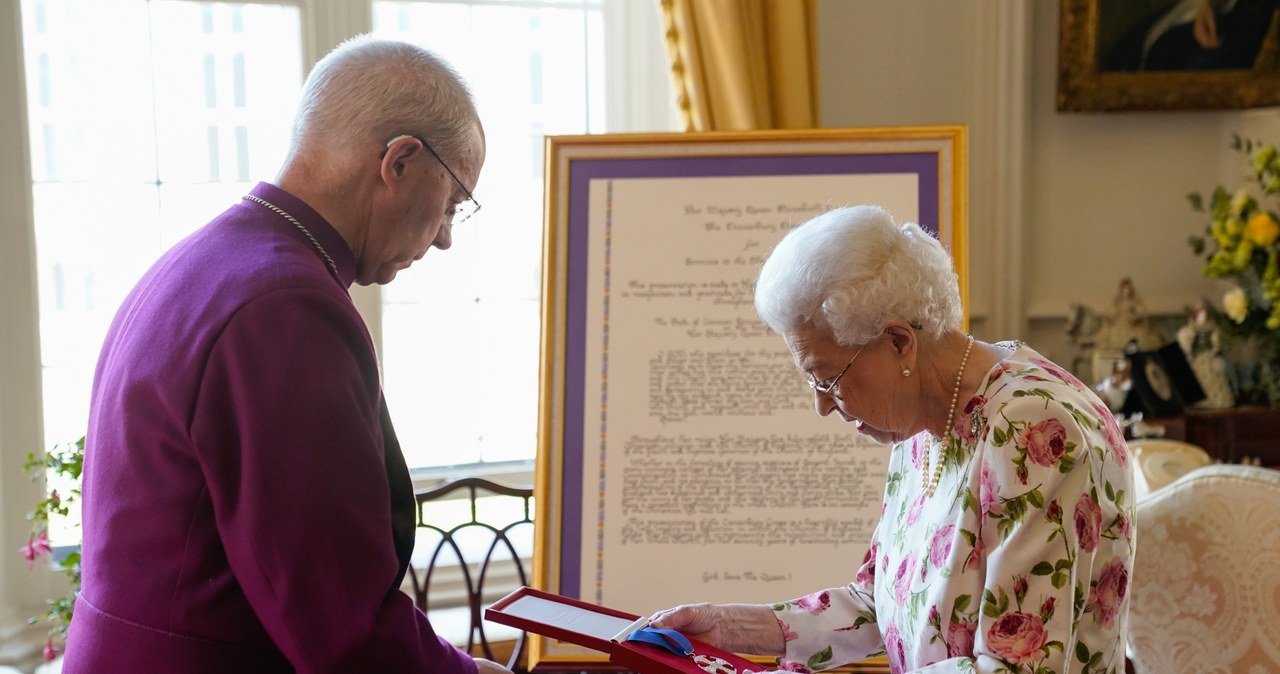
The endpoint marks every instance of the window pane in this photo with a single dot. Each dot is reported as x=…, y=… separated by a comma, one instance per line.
x=121, y=105
x=461, y=328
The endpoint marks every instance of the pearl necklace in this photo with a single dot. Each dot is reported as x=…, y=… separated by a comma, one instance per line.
x=333, y=267
x=927, y=480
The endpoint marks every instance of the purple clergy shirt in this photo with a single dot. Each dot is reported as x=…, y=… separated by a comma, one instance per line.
x=240, y=469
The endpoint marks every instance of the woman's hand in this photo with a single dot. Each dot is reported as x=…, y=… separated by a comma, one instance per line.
x=738, y=628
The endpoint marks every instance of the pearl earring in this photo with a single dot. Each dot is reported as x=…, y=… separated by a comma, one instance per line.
x=906, y=372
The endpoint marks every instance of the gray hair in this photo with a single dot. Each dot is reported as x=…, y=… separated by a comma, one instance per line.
x=368, y=89
x=851, y=270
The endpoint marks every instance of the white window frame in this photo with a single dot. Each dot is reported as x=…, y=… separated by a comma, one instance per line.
x=636, y=79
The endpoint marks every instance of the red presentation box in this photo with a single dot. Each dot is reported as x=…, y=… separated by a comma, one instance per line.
x=606, y=630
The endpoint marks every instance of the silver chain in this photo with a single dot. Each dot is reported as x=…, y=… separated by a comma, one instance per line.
x=333, y=267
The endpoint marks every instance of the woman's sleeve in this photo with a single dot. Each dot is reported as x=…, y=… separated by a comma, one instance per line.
x=835, y=626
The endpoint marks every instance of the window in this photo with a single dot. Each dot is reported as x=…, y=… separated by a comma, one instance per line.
x=145, y=118
x=134, y=146
x=460, y=329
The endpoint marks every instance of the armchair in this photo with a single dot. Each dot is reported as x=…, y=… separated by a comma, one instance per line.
x=1205, y=590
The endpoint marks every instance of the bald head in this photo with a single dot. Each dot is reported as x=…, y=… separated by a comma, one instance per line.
x=367, y=91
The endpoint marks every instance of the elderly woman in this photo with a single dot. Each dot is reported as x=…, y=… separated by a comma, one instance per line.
x=1005, y=542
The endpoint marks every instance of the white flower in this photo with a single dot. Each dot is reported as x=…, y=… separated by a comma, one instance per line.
x=1239, y=201
x=1236, y=304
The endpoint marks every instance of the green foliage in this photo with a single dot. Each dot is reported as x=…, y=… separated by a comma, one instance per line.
x=65, y=461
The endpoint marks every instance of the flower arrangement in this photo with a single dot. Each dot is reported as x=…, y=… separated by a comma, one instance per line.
x=1241, y=244
x=66, y=461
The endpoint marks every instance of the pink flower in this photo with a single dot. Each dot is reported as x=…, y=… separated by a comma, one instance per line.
x=1020, y=588
x=1112, y=434
x=49, y=651
x=964, y=425
x=1045, y=441
x=36, y=547
x=1046, y=609
x=902, y=582
x=960, y=639
x=918, y=448
x=1017, y=637
x=792, y=666
x=913, y=513
x=867, y=573
x=1088, y=522
x=987, y=497
x=1053, y=369
x=893, y=648
x=1122, y=526
x=1054, y=512
x=815, y=603
x=999, y=371
x=787, y=633
x=940, y=545
x=974, y=560
x=1108, y=593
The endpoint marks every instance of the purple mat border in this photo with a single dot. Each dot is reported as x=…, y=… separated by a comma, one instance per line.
x=924, y=165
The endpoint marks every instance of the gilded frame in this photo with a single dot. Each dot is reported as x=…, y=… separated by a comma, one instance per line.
x=1083, y=85
x=578, y=171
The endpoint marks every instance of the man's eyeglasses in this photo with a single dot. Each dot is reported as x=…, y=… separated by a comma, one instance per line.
x=465, y=208
x=827, y=387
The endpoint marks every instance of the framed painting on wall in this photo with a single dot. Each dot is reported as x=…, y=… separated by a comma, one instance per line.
x=675, y=434
x=1168, y=55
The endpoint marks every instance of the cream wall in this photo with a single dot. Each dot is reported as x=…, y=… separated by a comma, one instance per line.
x=1091, y=197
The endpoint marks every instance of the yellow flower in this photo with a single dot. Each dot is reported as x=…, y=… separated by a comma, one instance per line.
x=1262, y=229
x=1235, y=304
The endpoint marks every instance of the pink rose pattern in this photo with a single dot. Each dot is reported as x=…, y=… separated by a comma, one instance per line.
x=867, y=573
x=1109, y=592
x=940, y=545
x=1043, y=515
x=816, y=602
x=1045, y=441
x=1018, y=637
x=960, y=639
x=1088, y=522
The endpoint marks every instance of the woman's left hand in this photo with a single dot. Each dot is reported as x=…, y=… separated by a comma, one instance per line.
x=739, y=628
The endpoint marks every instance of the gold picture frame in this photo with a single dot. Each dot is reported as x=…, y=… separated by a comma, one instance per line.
x=644, y=236
x=1106, y=50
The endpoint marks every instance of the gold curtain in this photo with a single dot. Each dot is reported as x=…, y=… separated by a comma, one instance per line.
x=743, y=64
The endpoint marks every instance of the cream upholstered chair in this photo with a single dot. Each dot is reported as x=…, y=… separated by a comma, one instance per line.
x=1159, y=462
x=1205, y=589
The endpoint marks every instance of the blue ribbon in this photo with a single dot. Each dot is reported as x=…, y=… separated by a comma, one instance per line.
x=669, y=640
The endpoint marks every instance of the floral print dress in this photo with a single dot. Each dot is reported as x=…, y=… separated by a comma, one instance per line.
x=1020, y=560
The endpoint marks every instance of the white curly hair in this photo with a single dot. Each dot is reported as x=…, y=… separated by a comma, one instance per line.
x=851, y=270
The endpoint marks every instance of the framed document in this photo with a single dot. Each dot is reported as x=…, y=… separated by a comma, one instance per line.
x=680, y=459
